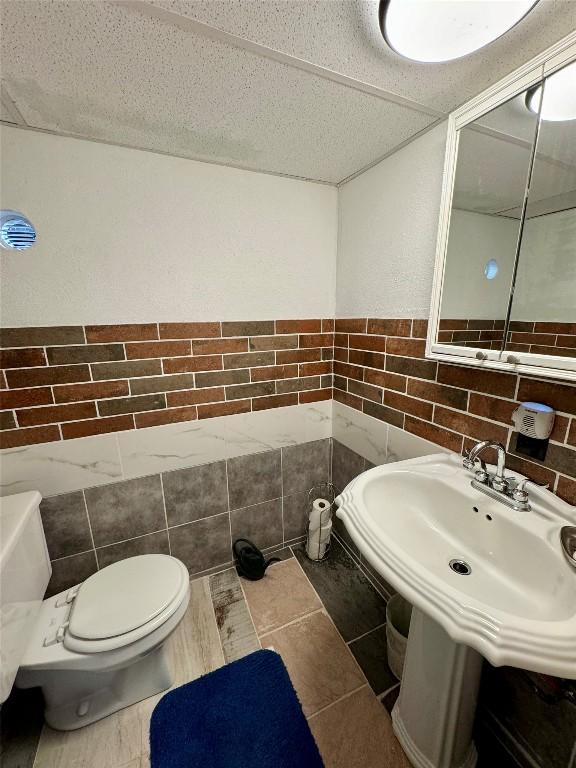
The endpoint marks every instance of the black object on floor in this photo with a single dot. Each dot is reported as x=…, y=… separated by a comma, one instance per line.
x=21, y=721
x=250, y=562
x=243, y=715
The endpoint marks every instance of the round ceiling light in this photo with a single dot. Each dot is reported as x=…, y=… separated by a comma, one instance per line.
x=442, y=30
x=559, y=96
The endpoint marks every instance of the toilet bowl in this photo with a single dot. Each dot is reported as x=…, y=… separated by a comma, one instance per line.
x=99, y=646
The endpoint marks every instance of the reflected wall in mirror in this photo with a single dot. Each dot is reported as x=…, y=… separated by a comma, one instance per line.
x=492, y=170
x=543, y=308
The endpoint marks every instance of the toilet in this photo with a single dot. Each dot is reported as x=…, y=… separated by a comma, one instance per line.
x=99, y=646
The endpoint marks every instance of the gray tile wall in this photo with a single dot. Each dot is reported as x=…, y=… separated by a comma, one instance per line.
x=513, y=719
x=194, y=514
x=346, y=465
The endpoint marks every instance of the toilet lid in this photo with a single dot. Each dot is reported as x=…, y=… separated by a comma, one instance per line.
x=125, y=595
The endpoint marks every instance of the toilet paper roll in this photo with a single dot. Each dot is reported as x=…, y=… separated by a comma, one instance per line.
x=317, y=553
x=318, y=541
x=320, y=513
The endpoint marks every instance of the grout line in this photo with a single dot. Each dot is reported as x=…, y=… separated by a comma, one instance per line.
x=342, y=698
x=191, y=522
x=133, y=538
x=349, y=642
x=165, y=513
x=274, y=549
x=212, y=571
x=247, y=604
x=282, y=492
x=228, y=505
x=67, y=557
x=117, y=444
x=90, y=528
x=327, y=614
x=331, y=620
x=297, y=620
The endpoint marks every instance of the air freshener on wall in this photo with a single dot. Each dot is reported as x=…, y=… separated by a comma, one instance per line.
x=534, y=422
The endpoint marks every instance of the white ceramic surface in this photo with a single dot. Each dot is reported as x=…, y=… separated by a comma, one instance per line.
x=24, y=574
x=433, y=717
x=150, y=584
x=517, y=606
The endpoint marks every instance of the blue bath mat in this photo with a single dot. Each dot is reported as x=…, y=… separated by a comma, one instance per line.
x=244, y=715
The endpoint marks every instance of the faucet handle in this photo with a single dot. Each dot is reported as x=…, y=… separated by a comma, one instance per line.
x=500, y=484
x=520, y=493
x=469, y=464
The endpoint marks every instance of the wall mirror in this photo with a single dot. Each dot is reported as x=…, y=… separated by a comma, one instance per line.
x=504, y=291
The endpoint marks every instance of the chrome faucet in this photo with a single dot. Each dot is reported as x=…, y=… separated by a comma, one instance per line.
x=497, y=480
x=505, y=489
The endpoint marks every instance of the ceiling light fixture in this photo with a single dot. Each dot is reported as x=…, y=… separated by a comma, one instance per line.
x=443, y=30
x=559, y=96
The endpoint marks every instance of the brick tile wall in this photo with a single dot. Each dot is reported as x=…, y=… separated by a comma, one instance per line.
x=379, y=368
x=59, y=383
x=543, y=338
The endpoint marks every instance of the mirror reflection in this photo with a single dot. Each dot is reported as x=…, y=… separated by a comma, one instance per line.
x=492, y=169
x=543, y=314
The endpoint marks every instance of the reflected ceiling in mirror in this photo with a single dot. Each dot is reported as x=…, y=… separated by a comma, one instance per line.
x=492, y=168
x=543, y=314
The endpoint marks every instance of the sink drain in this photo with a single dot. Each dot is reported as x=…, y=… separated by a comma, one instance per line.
x=460, y=567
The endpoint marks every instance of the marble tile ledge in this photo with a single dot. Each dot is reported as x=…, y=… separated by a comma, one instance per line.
x=375, y=440
x=71, y=465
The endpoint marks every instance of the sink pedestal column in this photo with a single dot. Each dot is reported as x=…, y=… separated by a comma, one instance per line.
x=434, y=715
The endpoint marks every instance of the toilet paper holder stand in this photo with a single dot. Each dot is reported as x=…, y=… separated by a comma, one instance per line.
x=319, y=521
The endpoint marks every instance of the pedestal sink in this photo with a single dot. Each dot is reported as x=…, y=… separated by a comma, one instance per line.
x=485, y=580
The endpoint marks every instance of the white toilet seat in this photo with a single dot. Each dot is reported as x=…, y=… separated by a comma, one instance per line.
x=83, y=679
x=124, y=602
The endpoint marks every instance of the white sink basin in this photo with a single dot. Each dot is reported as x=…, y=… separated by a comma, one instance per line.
x=517, y=606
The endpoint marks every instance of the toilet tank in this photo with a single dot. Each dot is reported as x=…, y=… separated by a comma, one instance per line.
x=24, y=575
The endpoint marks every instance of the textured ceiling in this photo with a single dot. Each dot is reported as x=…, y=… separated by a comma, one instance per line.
x=307, y=89
x=344, y=36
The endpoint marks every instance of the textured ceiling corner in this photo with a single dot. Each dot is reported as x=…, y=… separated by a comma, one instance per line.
x=305, y=90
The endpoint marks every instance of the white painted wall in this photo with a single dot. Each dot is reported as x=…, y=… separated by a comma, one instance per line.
x=387, y=238
x=474, y=239
x=388, y=223
x=130, y=236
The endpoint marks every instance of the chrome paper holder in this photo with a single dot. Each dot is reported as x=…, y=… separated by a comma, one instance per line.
x=324, y=491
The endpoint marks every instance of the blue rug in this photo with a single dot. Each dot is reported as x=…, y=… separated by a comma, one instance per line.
x=244, y=715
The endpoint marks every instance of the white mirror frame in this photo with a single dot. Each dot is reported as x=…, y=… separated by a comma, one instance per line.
x=549, y=366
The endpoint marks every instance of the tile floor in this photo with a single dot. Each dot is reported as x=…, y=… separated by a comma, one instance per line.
x=326, y=620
